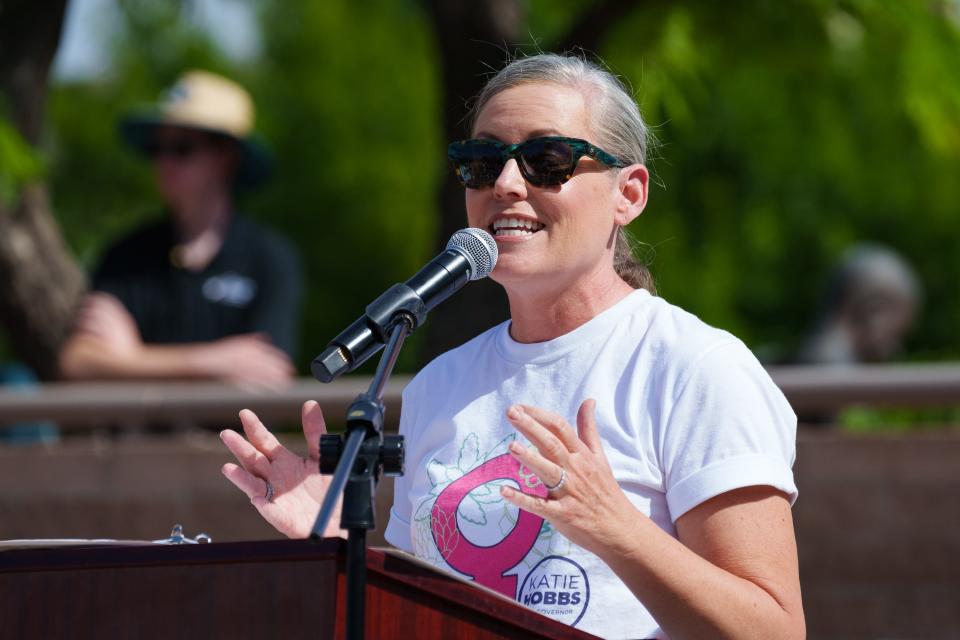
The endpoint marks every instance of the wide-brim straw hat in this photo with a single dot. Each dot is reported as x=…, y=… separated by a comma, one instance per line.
x=204, y=101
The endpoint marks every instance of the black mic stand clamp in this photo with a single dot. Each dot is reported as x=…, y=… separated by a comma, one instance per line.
x=377, y=452
x=356, y=463
x=376, y=324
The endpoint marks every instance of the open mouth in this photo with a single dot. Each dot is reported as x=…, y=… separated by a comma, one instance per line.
x=506, y=227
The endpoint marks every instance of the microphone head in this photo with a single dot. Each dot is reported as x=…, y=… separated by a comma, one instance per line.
x=478, y=247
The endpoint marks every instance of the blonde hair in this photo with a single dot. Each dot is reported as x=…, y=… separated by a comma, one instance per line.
x=617, y=123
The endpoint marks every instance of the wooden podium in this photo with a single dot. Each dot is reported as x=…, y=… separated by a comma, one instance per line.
x=284, y=590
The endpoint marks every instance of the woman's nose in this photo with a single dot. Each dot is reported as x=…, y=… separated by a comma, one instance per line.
x=510, y=182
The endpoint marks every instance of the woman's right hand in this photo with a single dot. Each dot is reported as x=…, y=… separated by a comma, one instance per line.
x=298, y=488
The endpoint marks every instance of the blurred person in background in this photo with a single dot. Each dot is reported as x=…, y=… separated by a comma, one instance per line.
x=871, y=301
x=202, y=292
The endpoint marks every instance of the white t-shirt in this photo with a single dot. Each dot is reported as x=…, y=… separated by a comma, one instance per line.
x=685, y=413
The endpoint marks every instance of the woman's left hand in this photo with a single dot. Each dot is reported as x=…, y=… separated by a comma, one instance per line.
x=589, y=508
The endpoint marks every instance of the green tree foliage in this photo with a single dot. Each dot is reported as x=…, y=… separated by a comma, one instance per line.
x=789, y=130
x=350, y=102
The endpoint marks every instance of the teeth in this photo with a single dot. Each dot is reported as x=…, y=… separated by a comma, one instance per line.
x=515, y=227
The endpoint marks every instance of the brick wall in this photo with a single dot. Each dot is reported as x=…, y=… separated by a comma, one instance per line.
x=878, y=519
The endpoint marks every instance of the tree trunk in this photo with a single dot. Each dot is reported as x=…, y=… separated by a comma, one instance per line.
x=475, y=38
x=40, y=282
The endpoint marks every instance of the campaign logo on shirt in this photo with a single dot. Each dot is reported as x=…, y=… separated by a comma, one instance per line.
x=489, y=561
x=231, y=289
x=557, y=587
x=466, y=525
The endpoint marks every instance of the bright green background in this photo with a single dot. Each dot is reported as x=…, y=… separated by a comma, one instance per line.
x=789, y=130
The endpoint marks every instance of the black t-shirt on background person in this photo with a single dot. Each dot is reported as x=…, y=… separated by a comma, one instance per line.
x=253, y=284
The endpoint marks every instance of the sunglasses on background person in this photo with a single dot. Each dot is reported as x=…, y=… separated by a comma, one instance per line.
x=175, y=149
x=543, y=162
x=179, y=148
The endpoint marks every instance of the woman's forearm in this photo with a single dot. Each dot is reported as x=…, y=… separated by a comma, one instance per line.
x=691, y=597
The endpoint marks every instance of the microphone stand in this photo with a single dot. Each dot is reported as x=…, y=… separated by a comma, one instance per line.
x=356, y=464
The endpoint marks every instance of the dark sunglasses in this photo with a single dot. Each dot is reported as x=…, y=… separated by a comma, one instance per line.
x=176, y=149
x=544, y=162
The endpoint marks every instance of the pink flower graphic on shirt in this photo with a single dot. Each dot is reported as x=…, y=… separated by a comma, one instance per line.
x=488, y=565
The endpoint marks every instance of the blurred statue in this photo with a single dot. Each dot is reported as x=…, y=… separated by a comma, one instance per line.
x=201, y=292
x=871, y=301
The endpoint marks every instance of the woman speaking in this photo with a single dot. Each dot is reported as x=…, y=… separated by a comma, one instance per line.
x=603, y=457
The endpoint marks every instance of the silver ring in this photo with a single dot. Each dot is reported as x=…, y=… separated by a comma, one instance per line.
x=269, y=495
x=560, y=482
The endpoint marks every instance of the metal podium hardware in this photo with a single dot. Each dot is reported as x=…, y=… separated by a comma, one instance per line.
x=177, y=537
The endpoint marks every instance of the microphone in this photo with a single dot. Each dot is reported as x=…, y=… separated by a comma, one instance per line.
x=471, y=254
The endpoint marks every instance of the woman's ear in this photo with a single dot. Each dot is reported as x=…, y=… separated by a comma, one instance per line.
x=632, y=185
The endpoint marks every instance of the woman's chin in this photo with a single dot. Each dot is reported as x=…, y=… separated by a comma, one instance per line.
x=518, y=275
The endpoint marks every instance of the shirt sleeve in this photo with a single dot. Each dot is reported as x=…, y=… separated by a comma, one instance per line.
x=127, y=263
x=276, y=308
x=729, y=427
x=112, y=276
